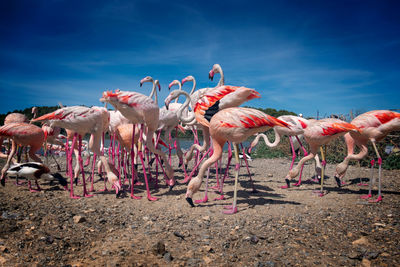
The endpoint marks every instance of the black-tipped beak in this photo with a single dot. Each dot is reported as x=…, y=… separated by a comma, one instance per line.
x=210, y=77
x=76, y=181
x=166, y=106
x=170, y=188
x=338, y=182
x=190, y=201
x=141, y=84
x=118, y=194
x=3, y=182
x=287, y=182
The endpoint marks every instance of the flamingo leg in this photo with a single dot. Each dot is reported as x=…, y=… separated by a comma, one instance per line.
x=233, y=209
x=92, y=174
x=85, y=193
x=34, y=190
x=379, y=173
x=70, y=170
x=254, y=190
x=302, y=166
x=133, y=164
x=321, y=192
x=371, y=179
x=205, y=199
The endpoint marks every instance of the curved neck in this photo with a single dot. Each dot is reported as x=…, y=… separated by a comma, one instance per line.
x=222, y=79
x=185, y=106
x=266, y=140
x=180, y=88
x=194, y=87
x=154, y=92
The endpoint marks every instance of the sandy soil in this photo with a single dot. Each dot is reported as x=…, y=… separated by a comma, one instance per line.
x=274, y=227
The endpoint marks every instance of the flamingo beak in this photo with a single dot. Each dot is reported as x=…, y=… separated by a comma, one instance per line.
x=159, y=88
x=190, y=201
x=211, y=75
x=183, y=81
x=141, y=83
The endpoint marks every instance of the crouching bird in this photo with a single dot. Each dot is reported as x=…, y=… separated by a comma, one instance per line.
x=34, y=171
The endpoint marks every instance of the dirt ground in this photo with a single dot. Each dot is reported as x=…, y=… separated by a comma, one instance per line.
x=274, y=227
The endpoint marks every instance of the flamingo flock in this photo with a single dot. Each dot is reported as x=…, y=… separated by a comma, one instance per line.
x=135, y=125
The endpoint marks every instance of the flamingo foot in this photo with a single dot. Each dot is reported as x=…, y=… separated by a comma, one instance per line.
x=319, y=193
x=33, y=190
x=221, y=197
x=204, y=200
x=103, y=190
x=87, y=195
x=149, y=197
x=215, y=187
x=138, y=183
x=366, y=196
x=190, y=201
x=230, y=210
x=135, y=197
x=75, y=197
x=297, y=184
x=362, y=184
x=18, y=183
x=379, y=199
x=285, y=187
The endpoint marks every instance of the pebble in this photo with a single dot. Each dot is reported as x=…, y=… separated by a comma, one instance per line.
x=159, y=248
x=361, y=241
x=79, y=219
x=167, y=257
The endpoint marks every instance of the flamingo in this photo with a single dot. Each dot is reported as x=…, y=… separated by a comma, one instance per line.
x=318, y=133
x=374, y=126
x=23, y=134
x=83, y=120
x=35, y=171
x=296, y=129
x=10, y=118
x=217, y=69
x=139, y=108
x=234, y=125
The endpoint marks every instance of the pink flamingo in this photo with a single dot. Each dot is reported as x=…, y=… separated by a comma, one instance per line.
x=235, y=125
x=23, y=134
x=318, y=133
x=83, y=120
x=296, y=128
x=139, y=108
x=374, y=126
x=11, y=118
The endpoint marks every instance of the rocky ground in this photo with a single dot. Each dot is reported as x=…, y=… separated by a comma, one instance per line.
x=273, y=227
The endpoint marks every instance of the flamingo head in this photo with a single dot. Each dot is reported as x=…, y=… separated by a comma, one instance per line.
x=157, y=83
x=174, y=94
x=187, y=79
x=145, y=80
x=211, y=75
x=174, y=82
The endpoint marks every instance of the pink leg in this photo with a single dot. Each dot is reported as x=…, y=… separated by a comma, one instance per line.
x=70, y=169
x=205, y=199
x=379, y=199
x=85, y=193
x=92, y=175
x=188, y=178
x=133, y=165
x=370, y=181
x=291, y=164
x=34, y=190
x=254, y=190
x=302, y=166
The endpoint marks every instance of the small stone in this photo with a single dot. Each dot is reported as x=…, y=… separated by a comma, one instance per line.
x=365, y=263
x=177, y=234
x=361, y=241
x=167, y=257
x=270, y=175
x=355, y=256
x=206, y=218
x=372, y=255
x=349, y=234
x=4, y=249
x=208, y=249
x=207, y=260
x=159, y=248
x=254, y=239
x=79, y=219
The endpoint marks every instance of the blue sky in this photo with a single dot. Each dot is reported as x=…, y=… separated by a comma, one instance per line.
x=302, y=56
